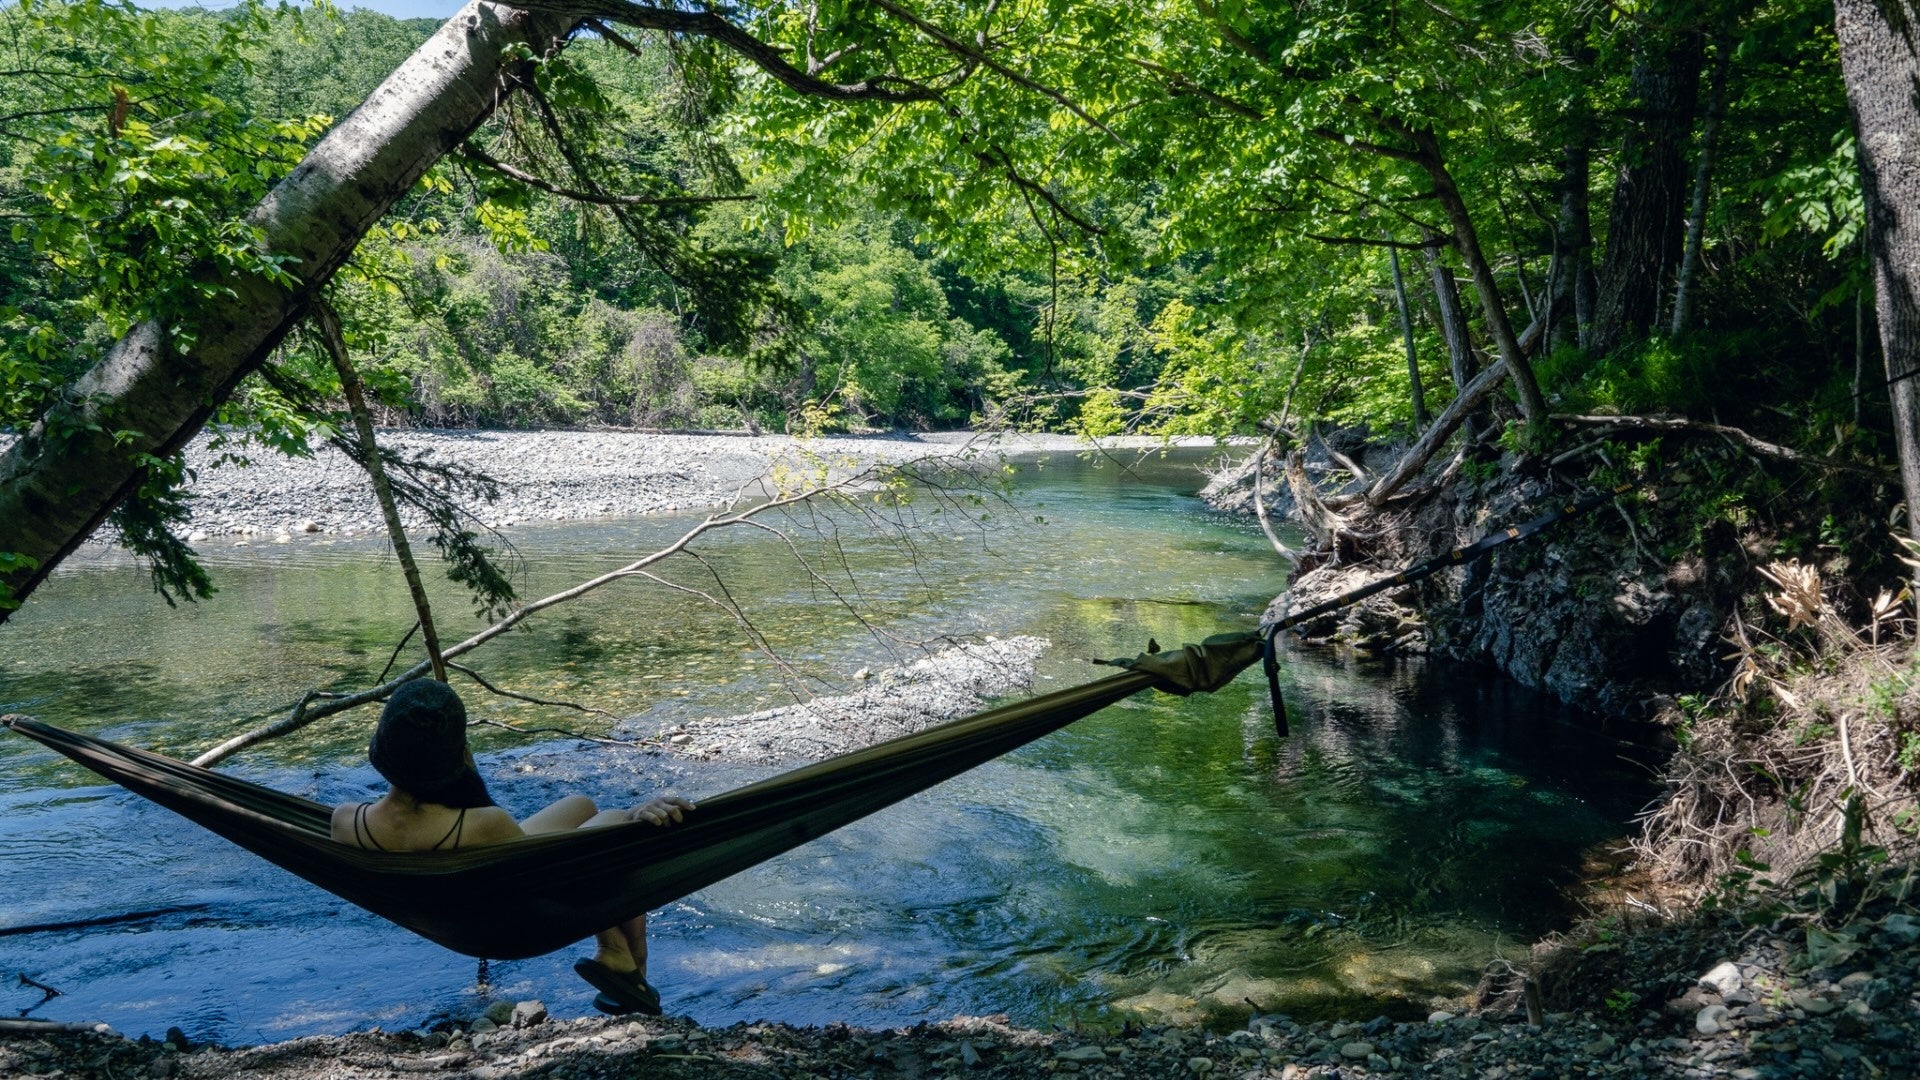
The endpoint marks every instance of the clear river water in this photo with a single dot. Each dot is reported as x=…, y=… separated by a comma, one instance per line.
x=1164, y=860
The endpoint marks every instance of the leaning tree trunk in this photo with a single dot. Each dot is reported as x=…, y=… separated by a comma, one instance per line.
x=148, y=396
x=1466, y=243
x=1879, y=61
x=1650, y=189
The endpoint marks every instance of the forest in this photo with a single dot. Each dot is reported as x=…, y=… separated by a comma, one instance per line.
x=1625, y=209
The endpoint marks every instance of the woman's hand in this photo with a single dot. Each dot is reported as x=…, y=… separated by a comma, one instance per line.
x=662, y=811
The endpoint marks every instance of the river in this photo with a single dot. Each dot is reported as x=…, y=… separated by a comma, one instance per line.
x=1166, y=859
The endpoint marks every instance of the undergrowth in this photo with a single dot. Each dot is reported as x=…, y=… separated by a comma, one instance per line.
x=1801, y=776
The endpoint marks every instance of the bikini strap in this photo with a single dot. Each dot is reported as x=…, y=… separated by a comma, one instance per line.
x=459, y=828
x=362, y=828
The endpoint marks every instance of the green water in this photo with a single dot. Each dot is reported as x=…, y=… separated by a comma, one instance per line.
x=1165, y=859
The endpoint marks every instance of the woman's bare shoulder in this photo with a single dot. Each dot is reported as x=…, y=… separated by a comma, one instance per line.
x=489, y=825
x=342, y=826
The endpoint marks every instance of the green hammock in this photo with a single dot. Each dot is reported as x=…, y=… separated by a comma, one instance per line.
x=532, y=896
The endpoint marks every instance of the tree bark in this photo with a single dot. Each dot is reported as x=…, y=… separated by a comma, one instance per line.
x=157, y=386
x=1466, y=242
x=1573, y=290
x=1881, y=68
x=1702, y=178
x=1430, y=442
x=1650, y=188
x=1453, y=321
x=1406, y=334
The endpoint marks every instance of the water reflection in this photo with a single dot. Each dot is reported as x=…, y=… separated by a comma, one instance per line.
x=1165, y=859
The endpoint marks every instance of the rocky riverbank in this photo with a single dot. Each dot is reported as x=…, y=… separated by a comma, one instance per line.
x=561, y=475
x=1700, y=999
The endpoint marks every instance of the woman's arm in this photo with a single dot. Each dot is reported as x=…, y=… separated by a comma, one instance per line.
x=568, y=813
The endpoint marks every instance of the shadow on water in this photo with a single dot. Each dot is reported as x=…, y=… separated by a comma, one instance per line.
x=1167, y=859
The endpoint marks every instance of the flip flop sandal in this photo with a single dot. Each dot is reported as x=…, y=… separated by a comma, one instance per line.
x=611, y=1007
x=626, y=991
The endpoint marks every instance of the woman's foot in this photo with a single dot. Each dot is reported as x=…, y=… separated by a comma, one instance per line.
x=621, y=992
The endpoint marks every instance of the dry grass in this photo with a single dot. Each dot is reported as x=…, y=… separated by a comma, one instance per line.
x=1815, y=714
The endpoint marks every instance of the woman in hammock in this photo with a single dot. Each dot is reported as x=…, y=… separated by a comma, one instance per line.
x=438, y=803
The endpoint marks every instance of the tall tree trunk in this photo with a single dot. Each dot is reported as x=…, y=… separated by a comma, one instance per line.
x=1572, y=290
x=1453, y=321
x=1406, y=334
x=59, y=481
x=1879, y=61
x=1702, y=178
x=1650, y=188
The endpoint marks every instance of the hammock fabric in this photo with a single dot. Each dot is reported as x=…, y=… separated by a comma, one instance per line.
x=533, y=896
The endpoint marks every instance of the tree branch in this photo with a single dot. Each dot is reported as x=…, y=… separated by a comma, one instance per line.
x=1658, y=424
x=1179, y=84
x=1436, y=241
x=764, y=56
x=970, y=52
x=336, y=348
x=318, y=704
x=1355, y=143
x=482, y=158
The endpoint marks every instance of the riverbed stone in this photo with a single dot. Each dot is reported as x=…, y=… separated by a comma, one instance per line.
x=1711, y=1019
x=1723, y=978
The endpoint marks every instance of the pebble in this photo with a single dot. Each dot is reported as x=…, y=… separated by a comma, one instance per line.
x=1357, y=1051
x=1711, y=1019
x=1724, y=979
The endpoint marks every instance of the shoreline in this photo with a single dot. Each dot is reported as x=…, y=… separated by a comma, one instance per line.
x=568, y=475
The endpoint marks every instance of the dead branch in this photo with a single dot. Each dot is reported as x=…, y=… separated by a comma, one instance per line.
x=1260, y=502
x=528, y=698
x=44, y=1027
x=318, y=704
x=652, y=744
x=336, y=347
x=1663, y=424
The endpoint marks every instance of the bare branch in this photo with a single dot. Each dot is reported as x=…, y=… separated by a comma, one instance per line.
x=528, y=698
x=1655, y=424
x=336, y=349
x=317, y=704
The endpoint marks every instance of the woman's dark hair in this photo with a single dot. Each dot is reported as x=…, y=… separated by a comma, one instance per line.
x=421, y=746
